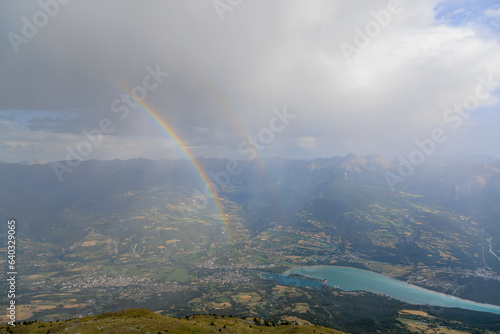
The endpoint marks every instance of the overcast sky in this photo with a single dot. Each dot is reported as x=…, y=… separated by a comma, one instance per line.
x=360, y=76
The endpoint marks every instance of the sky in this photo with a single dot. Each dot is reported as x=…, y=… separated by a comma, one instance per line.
x=305, y=79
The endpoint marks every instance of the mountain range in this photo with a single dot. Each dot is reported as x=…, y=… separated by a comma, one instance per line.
x=156, y=220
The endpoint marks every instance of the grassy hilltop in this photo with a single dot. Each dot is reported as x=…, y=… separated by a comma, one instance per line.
x=145, y=321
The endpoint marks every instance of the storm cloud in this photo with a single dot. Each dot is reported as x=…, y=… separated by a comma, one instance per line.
x=364, y=76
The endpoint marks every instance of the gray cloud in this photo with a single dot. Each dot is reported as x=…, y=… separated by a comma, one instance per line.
x=227, y=76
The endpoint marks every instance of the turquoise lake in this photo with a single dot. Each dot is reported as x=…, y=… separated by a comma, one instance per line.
x=352, y=279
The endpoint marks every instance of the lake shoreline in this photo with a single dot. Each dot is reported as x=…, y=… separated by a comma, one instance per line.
x=355, y=279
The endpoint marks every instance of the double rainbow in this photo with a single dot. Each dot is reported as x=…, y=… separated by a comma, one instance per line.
x=210, y=86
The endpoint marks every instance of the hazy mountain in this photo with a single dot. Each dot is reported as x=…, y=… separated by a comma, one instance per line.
x=111, y=224
x=346, y=198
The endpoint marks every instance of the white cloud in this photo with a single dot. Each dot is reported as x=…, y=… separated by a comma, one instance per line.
x=493, y=13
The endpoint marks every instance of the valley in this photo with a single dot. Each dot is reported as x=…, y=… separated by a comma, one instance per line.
x=139, y=236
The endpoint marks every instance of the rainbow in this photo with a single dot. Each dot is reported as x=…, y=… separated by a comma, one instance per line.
x=205, y=178
x=209, y=84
